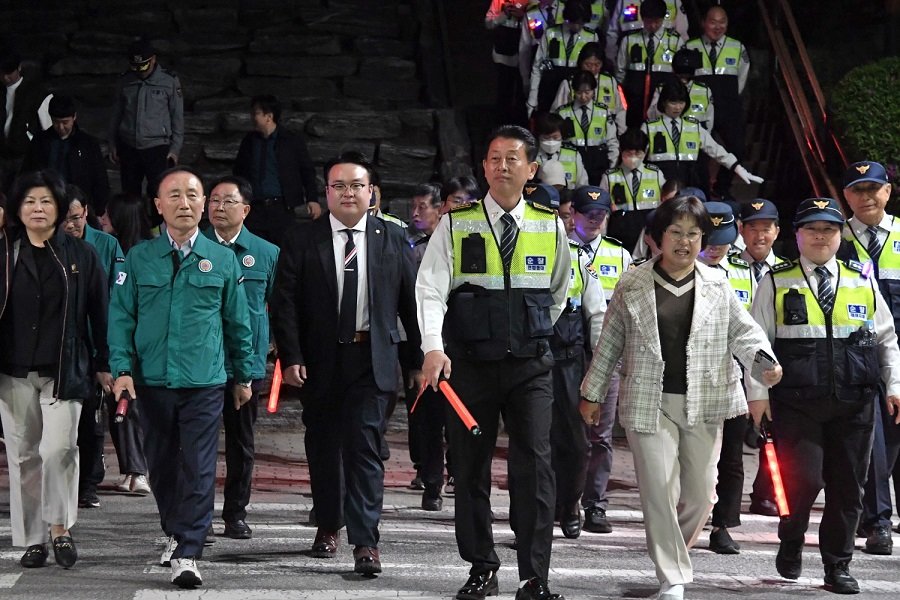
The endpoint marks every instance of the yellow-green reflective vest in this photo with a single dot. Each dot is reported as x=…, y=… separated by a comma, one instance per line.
x=886, y=269
x=688, y=143
x=700, y=99
x=649, y=190
x=568, y=158
x=609, y=264
x=740, y=276
x=630, y=15
x=662, y=53
x=596, y=131
x=556, y=53
x=568, y=331
x=728, y=57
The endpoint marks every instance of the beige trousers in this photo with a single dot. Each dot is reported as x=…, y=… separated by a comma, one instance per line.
x=42, y=451
x=676, y=474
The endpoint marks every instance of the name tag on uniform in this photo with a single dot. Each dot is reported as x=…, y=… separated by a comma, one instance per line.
x=691, y=145
x=569, y=176
x=598, y=130
x=856, y=312
x=730, y=61
x=572, y=276
x=121, y=277
x=743, y=296
x=896, y=247
x=607, y=99
x=536, y=263
x=649, y=193
x=697, y=107
x=608, y=271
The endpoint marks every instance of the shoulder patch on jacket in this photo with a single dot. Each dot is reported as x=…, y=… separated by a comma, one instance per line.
x=738, y=261
x=464, y=206
x=691, y=120
x=120, y=259
x=650, y=166
x=612, y=240
x=541, y=207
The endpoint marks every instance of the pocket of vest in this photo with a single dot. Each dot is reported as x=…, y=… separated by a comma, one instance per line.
x=798, y=359
x=537, y=309
x=468, y=314
x=862, y=365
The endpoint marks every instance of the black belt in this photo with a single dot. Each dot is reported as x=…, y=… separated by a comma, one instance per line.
x=359, y=337
x=269, y=201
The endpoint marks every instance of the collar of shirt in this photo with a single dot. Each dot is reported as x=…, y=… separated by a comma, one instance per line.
x=11, y=88
x=337, y=227
x=809, y=269
x=859, y=228
x=233, y=240
x=769, y=259
x=576, y=108
x=656, y=37
x=495, y=211
x=594, y=243
x=186, y=247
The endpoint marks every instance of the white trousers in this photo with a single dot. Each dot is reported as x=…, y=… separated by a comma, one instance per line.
x=676, y=474
x=42, y=452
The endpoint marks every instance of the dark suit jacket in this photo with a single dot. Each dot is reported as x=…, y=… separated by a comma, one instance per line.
x=296, y=171
x=304, y=303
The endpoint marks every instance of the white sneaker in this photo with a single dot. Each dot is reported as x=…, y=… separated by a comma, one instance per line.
x=185, y=574
x=166, y=558
x=139, y=485
x=671, y=592
x=125, y=485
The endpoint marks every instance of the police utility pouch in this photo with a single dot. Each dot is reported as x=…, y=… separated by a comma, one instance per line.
x=553, y=48
x=795, y=308
x=761, y=362
x=473, y=257
x=636, y=54
x=659, y=143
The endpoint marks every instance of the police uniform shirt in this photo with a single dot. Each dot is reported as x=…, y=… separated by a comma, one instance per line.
x=768, y=262
x=339, y=240
x=763, y=311
x=589, y=249
x=435, y=279
x=710, y=147
x=707, y=122
x=593, y=301
x=743, y=67
x=43, y=110
x=564, y=95
x=860, y=229
x=614, y=33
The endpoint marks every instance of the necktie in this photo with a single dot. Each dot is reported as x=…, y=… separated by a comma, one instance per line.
x=635, y=183
x=651, y=49
x=826, y=292
x=508, y=239
x=758, y=267
x=347, y=326
x=713, y=54
x=874, y=247
x=585, y=119
x=570, y=46
x=676, y=135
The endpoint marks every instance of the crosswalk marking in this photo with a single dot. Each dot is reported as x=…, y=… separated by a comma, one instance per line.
x=7, y=580
x=263, y=594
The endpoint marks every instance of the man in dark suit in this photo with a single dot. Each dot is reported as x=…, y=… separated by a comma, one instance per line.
x=340, y=285
x=277, y=164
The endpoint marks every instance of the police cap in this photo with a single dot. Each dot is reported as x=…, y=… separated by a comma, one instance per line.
x=818, y=209
x=866, y=170
x=590, y=197
x=140, y=52
x=692, y=191
x=757, y=209
x=543, y=194
x=724, y=229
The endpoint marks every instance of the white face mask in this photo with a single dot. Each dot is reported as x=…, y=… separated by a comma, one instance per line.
x=551, y=146
x=632, y=162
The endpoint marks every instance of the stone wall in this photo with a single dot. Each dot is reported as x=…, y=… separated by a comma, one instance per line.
x=348, y=72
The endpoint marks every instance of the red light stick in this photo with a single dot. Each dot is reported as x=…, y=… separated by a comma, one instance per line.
x=775, y=472
x=275, y=390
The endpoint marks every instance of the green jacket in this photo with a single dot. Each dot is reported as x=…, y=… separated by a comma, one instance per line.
x=258, y=259
x=109, y=250
x=172, y=327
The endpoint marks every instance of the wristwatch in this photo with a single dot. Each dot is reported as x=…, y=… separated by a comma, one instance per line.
x=245, y=385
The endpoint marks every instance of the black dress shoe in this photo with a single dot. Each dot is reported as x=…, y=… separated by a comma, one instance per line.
x=571, y=524
x=720, y=542
x=432, y=503
x=325, y=544
x=536, y=589
x=366, y=560
x=879, y=541
x=416, y=484
x=764, y=507
x=838, y=579
x=35, y=556
x=789, y=561
x=64, y=551
x=238, y=530
x=595, y=520
x=479, y=587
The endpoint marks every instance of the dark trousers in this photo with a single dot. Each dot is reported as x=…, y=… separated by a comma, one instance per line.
x=426, y=437
x=239, y=451
x=128, y=438
x=523, y=390
x=90, y=445
x=730, y=486
x=181, y=428
x=568, y=438
x=600, y=450
x=136, y=165
x=877, y=506
x=826, y=445
x=343, y=446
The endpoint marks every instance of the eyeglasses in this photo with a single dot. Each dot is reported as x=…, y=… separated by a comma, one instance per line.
x=225, y=201
x=341, y=187
x=678, y=235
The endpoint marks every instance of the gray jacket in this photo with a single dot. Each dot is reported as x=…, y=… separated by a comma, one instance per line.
x=148, y=112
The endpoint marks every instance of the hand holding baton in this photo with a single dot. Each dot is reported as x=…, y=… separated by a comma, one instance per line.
x=461, y=411
x=122, y=406
x=774, y=470
x=275, y=390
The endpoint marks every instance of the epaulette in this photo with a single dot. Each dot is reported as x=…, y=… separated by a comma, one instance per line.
x=650, y=166
x=691, y=120
x=656, y=120
x=574, y=244
x=569, y=145
x=464, y=206
x=738, y=261
x=638, y=261
x=784, y=266
x=599, y=104
x=540, y=206
x=699, y=83
x=854, y=265
x=607, y=238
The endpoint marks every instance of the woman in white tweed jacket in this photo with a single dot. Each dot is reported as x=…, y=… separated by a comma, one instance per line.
x=676, y=324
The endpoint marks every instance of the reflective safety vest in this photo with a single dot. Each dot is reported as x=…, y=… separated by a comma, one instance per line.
x=630, y=15
x=568, y=331
x=740, y=276
x=728, y=57
x=887, y=269
x=596, y=132
x=538, y=21
x=568, y=158
x=824, y=354
x=700, y=99
x=649, y=190
x=493, y=311
x=556, y=38
x=662, y=148
x=662, y=54
x=609, y=264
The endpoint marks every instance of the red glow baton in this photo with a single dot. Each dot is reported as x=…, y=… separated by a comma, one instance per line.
x=775, y=472
x=122, y=406
x=275, y=390
x=461, y=411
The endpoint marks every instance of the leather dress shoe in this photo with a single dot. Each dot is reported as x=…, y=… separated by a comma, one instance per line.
x=764, y=507
x=325, y=544
x=570, y=523
x=838, y=579
x=238, y=530
x=789, y=560
x=536, y=589
x=366, y=560
x=879, y=541
x=64, y=551
x=720, y=542
x=35, y=556
x=595, y=520
x=432, y=503
x=479, y=586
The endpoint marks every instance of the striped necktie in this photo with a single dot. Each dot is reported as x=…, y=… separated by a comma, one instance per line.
x=758, y=267
x=508, y=239
x=570, y=45
x=676, y=135
x=635, y=183
x=713, y=54
x=874, y=246
x=347, y=325
x=826, y=292
x=585, y=119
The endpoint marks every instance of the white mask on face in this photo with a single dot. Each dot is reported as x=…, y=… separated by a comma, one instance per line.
x=632, y=162
x=551, y=146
